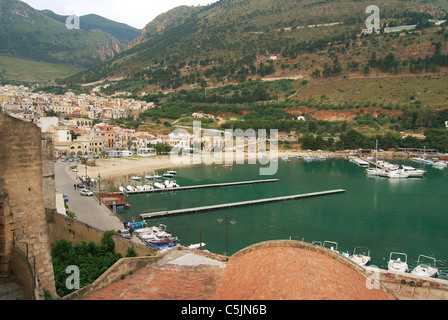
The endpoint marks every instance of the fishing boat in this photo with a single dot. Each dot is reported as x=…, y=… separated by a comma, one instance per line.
x=396, y=263
x=425, y=268
x=360, y=258
x=333, y=246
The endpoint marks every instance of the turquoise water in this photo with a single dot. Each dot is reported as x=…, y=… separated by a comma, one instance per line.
x=384, y=215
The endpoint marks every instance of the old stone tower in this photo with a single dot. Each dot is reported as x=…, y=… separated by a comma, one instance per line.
x=24, y=174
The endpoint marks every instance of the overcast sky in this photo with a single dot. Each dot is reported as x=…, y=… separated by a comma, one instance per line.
x=136, y=13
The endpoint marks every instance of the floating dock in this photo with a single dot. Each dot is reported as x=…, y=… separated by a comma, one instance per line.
x=235, y=204
x=203, y=186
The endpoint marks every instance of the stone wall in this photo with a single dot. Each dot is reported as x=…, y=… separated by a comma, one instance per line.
x=48, y=173
x=21, y=178
x=64, y=227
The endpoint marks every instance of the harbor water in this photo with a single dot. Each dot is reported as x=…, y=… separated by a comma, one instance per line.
x=384, y=215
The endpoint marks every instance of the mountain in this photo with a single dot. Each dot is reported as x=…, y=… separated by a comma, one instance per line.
x=232, y=41
x=121, y=31
x=27, y=34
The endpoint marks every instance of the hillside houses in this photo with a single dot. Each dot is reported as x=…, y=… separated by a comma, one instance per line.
x=79, y=122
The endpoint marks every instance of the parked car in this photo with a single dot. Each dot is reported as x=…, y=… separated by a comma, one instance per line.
x=86, y=192
x=80, y=186
x=65, y=197
x=124, y=233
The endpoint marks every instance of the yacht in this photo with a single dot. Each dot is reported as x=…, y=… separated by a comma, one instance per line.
x=426, y=269
x=395, y=174
x=396, y=263
x=413, y=172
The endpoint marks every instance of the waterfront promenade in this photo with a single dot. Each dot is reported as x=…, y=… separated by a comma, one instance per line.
x=87, y=209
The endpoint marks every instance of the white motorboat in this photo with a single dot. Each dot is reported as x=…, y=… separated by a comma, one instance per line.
x=418, y=159
x=395, y=174
x=159, y=185
x=396, y=263
x=439, y=164
x=360, y=258
x=308, y=158
x=122, y=189
x=285, y=159
x=148, y=187
x=155, y=175
x=413, y=172
x=173, y=172
x=171, y=184
x=136, y=178
x=168, y=175
x=374, y=171
x=140, y=188
x=130, y=188
x=333, y=246
x=196, y=246
x=425, y=268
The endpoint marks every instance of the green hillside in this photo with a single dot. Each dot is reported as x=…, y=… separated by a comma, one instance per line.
x=232, y=41
x=122, y=32
x=29, y=35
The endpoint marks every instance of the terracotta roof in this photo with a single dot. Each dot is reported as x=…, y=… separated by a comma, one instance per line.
x=273, y=270
x=293, y=273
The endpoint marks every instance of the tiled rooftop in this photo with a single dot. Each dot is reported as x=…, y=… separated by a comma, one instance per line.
x=266, y=273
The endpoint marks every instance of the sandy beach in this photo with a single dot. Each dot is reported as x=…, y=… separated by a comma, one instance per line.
x=113, y=167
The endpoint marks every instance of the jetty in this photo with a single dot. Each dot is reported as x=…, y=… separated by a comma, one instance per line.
x=236, y=204
x=203, y=186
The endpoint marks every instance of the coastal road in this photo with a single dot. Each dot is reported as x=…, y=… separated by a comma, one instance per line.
x=86, y=208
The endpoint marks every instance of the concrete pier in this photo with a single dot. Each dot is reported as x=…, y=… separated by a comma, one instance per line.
x=203, y=186
x=236, y=204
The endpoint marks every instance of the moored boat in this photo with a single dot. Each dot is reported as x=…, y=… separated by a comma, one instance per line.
x=396, y=263
x=425, y=268
x=360, y=258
